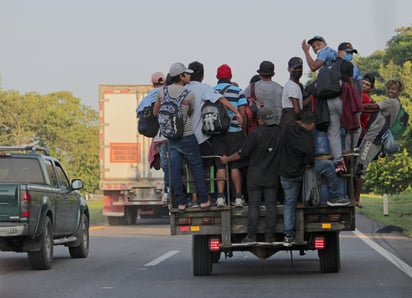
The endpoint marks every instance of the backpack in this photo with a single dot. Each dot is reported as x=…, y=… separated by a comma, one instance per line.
x=254, y=104
x=147, y=123
x=400, y=124
x=215, y=118
x=328, y=83
x=311, y=188
x=170, y=116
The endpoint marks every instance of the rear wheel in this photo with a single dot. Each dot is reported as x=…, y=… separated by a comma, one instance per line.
x=42, y=259
x=82, y=250
x=201, y=255
x=330, y=256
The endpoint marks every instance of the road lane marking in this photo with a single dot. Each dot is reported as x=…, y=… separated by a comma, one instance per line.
x=389, y=256
x=162, y=258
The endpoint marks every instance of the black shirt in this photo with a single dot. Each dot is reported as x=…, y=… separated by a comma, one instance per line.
x=297, y=152
x=262, y=148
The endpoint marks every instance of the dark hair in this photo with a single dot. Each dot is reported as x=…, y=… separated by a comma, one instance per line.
x=346, y=70
x=371, y=78
x=254, y=79
x=308, y=117
x=198, y=71
x=168, y=80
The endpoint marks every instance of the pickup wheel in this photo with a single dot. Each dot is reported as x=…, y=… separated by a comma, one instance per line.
x=82, y=234
x=42, y=259
x=201, y=255
x=330, y=256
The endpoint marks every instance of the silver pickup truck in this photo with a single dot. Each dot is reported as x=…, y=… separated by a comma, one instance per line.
x=40, y=207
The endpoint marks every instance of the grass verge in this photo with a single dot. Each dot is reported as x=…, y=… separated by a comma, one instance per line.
x=96, y=211
x=400, y=211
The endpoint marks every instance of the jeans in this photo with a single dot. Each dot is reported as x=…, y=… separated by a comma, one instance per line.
x=292, y=189
x=186, y=147
x=255, y=194
x=162, y=148
x=326, y=169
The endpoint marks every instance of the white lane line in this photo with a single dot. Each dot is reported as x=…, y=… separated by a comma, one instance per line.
x=162, y=258
x=389, y=256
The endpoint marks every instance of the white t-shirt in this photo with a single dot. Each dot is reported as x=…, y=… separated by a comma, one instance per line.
x=291, y=89
x=202, y=92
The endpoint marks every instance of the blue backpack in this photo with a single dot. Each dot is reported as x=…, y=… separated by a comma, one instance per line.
x=170, y=116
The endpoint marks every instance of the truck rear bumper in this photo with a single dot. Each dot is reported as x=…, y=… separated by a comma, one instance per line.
x=13, y=229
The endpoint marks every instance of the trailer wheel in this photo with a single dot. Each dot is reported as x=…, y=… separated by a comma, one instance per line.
x=130, y=215
x=42, y=259
x=330, y=256
x=201, y=255
x=82, y=235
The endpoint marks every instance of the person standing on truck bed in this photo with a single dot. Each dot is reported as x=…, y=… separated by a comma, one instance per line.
x=187, y=146
x=232, y=140
x=261, y=148
x=204, y=92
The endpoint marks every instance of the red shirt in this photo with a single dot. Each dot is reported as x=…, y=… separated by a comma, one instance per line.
x=365, y=116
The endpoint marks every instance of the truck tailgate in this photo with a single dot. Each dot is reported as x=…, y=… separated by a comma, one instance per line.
x=9, y=202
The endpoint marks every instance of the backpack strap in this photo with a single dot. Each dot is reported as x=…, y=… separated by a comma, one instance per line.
x=222, y=91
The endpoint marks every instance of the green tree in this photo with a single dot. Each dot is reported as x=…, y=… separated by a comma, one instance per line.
x=58, y=122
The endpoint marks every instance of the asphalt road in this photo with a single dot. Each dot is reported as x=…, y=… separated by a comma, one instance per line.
x=145, y=261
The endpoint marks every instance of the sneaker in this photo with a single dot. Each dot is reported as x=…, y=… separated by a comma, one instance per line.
x=239, y=202
x=340, y=168
x=221, y=202
x=339, y=201
x=165, y=198
x=262, y=208
x=288, y=241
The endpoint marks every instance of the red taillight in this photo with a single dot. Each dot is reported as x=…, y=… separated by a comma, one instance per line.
x=214, y=244
x=320, y=243
x=25, y=200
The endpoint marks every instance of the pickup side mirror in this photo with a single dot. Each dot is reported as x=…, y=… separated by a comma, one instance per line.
x=77, y=184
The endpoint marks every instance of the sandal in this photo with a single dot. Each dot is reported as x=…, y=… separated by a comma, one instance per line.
x=205, y=206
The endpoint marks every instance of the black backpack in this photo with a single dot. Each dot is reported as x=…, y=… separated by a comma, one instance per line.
x=147, y=123
x=216, y=120
x=328, y=83
x=170, y=116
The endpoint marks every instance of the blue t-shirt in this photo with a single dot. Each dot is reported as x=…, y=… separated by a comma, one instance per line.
x=148, y=100
x=236, y=97
x=326, y=55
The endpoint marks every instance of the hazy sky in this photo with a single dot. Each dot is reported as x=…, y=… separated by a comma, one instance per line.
x=55, y=45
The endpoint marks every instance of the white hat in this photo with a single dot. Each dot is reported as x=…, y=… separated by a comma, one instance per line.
x=178, y=68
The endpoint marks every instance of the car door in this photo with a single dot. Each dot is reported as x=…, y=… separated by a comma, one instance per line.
x=67, y=202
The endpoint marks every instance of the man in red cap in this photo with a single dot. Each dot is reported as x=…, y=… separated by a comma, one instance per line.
x=230, y=143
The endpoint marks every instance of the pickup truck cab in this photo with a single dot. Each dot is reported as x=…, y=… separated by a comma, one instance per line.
x=40, y=207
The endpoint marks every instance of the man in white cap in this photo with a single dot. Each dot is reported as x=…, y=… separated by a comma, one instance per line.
x=186, y=146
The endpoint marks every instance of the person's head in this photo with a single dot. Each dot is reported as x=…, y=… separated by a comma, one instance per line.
x=346, y=50
x=198, y=71
x=265, y=116
x=368, y=83
x=266, y=70
x=295, y=68
x=346, y=71
x=158, y=79
x=179, y=73
x=308, y=120
x=317, y=43
x=224, y=72
x=394, y=88
x=254, y=79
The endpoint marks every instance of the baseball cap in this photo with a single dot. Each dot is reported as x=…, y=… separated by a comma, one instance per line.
x=178, y=68
x=266, y=115
x=315, y=38
x=158, y=78
x=347, y=47
x=266, y=68
x=224, y=72
x=295, y=62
